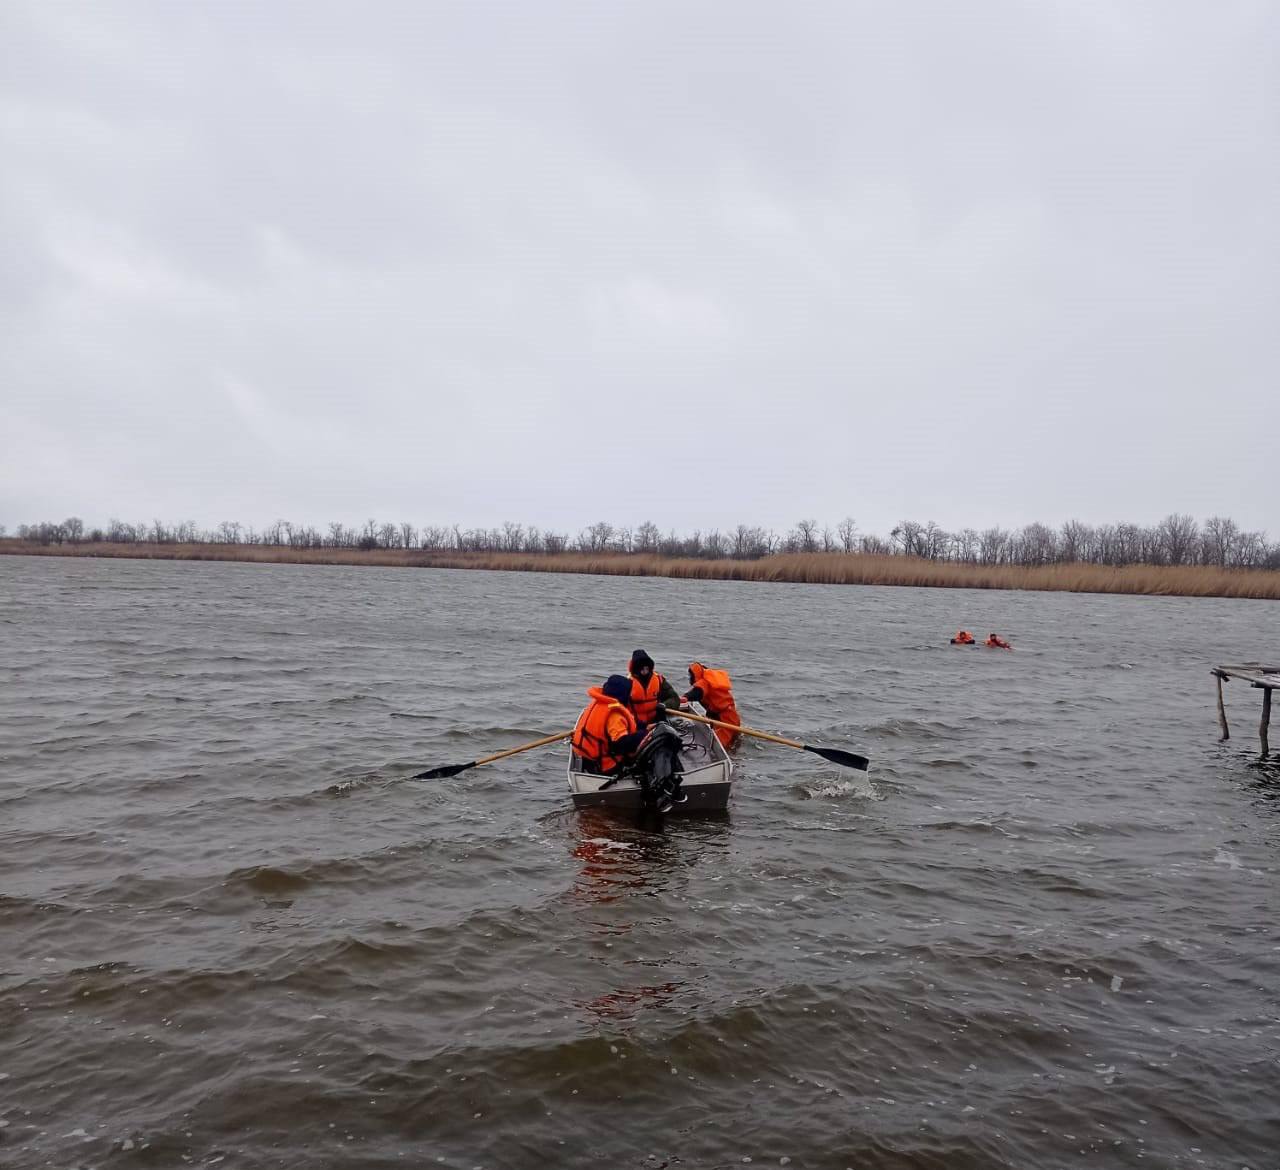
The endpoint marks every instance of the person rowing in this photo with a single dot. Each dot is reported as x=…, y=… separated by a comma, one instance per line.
x=713, y=689
x=963, y=638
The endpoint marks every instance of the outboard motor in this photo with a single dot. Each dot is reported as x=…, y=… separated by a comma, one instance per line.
x=657, y=767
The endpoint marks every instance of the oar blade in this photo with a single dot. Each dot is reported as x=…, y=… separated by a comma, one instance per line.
x=844, y=759
x=442, y=773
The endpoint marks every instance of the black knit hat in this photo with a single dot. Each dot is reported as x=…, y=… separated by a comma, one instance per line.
x=639, y=661
x=617, y=687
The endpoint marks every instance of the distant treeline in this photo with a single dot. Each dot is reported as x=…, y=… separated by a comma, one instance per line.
x=1176, y=540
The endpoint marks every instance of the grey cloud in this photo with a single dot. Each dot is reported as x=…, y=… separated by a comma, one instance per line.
x=708, y=264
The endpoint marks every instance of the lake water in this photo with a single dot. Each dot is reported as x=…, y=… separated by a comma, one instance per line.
x=1040, y=932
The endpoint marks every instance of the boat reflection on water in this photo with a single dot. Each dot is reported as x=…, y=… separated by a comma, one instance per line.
x=626, y=1002
x=622, y=859
x=622, y=854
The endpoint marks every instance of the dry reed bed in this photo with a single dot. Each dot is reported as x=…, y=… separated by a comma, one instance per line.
x=806, y=568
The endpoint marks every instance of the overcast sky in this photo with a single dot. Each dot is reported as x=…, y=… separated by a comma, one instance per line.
x=700, y=263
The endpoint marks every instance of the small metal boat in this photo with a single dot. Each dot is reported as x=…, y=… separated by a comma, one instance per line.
x=707, y=780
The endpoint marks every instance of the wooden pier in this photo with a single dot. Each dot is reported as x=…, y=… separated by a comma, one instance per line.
x=1265, y=678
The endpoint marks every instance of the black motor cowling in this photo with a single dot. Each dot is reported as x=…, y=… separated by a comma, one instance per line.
x=657, y=767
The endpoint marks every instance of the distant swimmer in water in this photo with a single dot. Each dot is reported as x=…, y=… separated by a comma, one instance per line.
x=963, y=638
x=995, y=642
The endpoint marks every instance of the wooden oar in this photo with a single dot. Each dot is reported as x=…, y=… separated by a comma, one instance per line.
x=835, y=755
x=454, y=769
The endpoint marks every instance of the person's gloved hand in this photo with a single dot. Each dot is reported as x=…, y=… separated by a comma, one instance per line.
x=660, y=714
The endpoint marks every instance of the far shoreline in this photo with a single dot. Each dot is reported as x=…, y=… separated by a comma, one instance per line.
x=796, y=568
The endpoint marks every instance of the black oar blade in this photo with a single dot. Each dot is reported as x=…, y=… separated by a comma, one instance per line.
x=442, y=773
x=844, y=759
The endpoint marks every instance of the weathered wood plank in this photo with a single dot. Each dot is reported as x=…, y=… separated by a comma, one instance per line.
x=1258, y=676
x=1266, y=720
x=1222, y=711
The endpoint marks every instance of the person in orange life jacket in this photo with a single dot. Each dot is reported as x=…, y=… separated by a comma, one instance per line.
x=714, y=691
x=607, y=734
x=963, y=638
x=996, y=642
x=649, y=690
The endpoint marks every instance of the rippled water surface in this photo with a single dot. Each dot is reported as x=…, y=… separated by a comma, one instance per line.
x=1041, y=932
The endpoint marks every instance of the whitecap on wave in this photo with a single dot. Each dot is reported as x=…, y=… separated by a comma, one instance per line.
x=837, y=788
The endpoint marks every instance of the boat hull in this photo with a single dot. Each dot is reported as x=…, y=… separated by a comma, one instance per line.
x=708, y=777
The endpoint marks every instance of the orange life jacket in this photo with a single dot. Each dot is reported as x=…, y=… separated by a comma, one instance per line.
x=717, y=693
x=997, y=642
x=963, y=638
x=591, y=739
x=644, y=700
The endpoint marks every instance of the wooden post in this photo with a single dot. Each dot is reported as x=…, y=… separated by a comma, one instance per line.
x=1266, y=719
x=1222, y=711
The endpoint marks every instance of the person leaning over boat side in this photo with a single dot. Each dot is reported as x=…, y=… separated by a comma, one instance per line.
x=714, y=691
x=607, y=734
x=649, y=690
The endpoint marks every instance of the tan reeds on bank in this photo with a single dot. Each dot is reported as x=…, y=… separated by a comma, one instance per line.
x=801, y=568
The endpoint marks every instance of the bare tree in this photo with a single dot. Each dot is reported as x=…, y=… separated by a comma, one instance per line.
x=1218, y=540
x=994, y=546
x=909, y=536
x=1075, y=541
x=1128, y=544
x=1249, y=550
x=1178, y=536
x=848, y=533
x=595, y=538
x=805, y=536
x=647, y=537
x=1037, y=545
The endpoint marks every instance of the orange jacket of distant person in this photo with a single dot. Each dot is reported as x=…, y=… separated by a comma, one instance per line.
x=714, y=691
x=995, y=642
x=963, y=638
x=599, y=728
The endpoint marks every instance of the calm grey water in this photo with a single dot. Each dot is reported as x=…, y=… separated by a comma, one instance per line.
x=1042, y=931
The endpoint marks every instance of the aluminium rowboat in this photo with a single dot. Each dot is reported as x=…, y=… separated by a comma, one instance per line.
x=708, y=775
